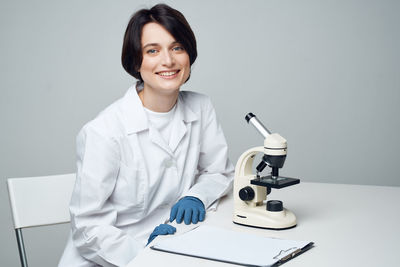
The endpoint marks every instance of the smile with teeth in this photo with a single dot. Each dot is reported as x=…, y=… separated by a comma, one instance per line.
x=168, y=73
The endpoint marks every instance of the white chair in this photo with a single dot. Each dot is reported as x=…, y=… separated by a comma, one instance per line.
x=39, y=201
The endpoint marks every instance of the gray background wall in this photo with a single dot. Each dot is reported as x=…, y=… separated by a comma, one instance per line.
x=323, y=74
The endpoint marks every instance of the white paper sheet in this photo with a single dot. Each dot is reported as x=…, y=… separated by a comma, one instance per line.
x=219, y=244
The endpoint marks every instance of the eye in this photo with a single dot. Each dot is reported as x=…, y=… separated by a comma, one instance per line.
x=178, y=48
x=151, y=51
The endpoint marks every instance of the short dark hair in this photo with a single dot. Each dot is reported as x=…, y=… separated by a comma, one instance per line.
x=171, y=19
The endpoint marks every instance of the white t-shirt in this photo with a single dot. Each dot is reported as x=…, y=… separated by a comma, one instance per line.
x=162, y=121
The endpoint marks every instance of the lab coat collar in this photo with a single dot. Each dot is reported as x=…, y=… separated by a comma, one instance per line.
x=136, y=119
x=183, y=110
x=132, y=109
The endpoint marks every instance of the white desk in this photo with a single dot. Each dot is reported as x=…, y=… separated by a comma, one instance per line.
x=351, y=225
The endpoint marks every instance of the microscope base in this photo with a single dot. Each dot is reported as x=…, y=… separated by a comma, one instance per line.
x=261, y=218
x=266, y=228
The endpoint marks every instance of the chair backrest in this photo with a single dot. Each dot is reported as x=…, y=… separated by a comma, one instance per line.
x=37, y=201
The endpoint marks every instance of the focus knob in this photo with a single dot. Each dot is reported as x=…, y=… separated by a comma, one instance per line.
x=246, y=193
x=274, y=205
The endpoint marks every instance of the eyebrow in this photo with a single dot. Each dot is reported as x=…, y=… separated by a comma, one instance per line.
x=151, y=44
x=157, y=44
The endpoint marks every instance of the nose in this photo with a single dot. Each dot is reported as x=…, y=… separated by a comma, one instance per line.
x=168, y=59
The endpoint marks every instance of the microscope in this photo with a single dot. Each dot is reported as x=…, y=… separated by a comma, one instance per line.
x=250, y=190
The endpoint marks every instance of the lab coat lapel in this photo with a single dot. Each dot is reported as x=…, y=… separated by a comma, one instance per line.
x=181, y=123
x=179, y=131
x=157, y=139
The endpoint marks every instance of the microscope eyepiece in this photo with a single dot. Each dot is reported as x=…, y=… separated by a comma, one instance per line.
x=250, y=117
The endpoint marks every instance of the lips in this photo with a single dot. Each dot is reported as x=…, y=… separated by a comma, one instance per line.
x=168, y=74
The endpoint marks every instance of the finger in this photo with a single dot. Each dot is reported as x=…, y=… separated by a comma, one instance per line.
x=151, y=238
x=174, y=210
x=179, y=215
x=202, y=214
x=195, y=216
x=171, y=229
x=157, y=230
x=188, y=215
x=165, y=231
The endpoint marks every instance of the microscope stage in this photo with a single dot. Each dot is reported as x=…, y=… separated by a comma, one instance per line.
x=279, y=182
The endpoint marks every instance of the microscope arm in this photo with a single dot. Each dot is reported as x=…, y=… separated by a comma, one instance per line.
x=243, y=177
x=244, y=165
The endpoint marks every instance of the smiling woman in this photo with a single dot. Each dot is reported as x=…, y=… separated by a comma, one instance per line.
x=165, y=67
x=171, y=20
x=156, y=154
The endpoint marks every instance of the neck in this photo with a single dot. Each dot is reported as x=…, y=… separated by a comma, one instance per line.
x=158, y=102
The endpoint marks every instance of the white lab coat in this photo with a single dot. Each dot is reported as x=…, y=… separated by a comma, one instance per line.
x=128, y=177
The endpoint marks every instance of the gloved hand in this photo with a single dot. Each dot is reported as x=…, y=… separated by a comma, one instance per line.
x=162, y=229
x=189, y=208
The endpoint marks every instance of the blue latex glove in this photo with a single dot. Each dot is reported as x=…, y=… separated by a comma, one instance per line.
x=191, y=209
x=162, y=229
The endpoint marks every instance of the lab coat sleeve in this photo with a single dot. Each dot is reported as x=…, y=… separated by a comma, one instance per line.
x=92, y=214
x=215, y=171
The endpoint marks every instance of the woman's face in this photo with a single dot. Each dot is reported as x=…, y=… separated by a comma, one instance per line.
x=166, y=65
